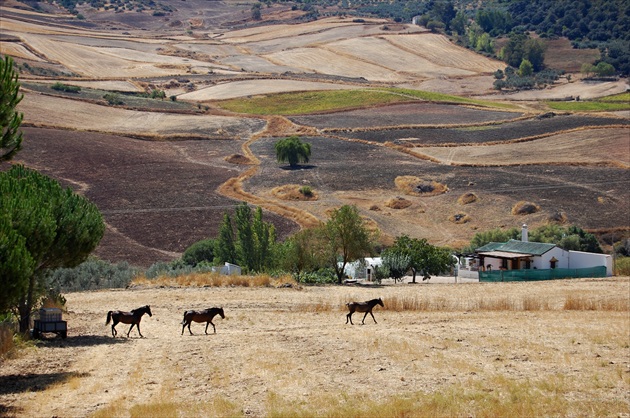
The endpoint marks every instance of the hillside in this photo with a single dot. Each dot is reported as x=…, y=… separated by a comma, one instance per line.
x=162, y=171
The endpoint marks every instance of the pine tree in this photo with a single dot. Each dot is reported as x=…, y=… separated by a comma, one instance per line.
x=10, y=119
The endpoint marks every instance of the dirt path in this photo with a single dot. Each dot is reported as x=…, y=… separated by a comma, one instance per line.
x=292, y=348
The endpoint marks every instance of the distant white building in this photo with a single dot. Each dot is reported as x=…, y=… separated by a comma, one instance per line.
x=364, y=268
x=227, y=269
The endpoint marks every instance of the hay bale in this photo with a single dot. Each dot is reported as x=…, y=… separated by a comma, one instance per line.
x=467, y=198
x=459, y=218
x=238, y=159
x=414, y=186
x=294, y=192
x=398, y=203
x=525, y=208
x=559, y=217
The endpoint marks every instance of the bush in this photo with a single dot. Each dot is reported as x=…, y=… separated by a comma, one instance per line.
x=322, y=276
x=306, y=191
x=90, y=275
x=113, y=99
x=198, y=252
x=65, y=87
x=622, y=266
x=174, y=269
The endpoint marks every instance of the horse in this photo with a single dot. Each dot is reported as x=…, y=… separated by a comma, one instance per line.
x=132, y=318
x=201, y=316
x=363, y=307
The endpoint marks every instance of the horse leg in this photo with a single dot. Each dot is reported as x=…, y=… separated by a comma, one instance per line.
x=213, y=327
x=138, y=326
x=363, y=322
x=189, y=328
x=130, y=328
x=207, y=323
x=114, y=332
x=349, y=317
x=373, y=317
x=183, y=327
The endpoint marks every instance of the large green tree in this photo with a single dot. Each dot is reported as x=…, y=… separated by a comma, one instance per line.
x=42, y=227
x=249, y=242
x=568, y=238
x=304, y=251
x=293, y=151
x=423, y=257
x=347, y=239
x=10, y=119
x=225, y=249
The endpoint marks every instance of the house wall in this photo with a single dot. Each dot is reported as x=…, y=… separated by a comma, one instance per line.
x=544, y=261
x=579, y=259
x=359, y=269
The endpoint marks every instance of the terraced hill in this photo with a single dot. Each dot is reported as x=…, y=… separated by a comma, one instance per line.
x=164, y=171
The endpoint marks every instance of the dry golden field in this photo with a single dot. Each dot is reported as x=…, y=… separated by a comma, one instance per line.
x=558, y=348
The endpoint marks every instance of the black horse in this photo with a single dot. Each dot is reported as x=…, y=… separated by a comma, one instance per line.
x=201, y=316
x=363, y=307
x=132, y=318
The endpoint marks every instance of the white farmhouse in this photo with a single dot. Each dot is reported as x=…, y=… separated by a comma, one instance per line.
x=520, y=259
x=363, y=268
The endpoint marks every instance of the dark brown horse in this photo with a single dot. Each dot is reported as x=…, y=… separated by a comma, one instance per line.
x=363, y=307
x=201, y=316
x=132, y=318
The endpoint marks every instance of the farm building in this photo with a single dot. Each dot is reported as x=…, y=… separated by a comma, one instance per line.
x=228, y=269
x=524, y=260
x=363, y=268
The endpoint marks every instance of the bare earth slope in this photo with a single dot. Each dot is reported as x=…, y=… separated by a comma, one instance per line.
x=161, y=195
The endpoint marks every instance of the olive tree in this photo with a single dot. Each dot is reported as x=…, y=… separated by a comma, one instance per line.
x=10, y=119
x=42, y=227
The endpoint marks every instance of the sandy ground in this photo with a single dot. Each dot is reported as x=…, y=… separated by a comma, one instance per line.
x=292, y=346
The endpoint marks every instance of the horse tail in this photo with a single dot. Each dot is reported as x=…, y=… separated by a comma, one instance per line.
x=109, y=317
x=184, y=320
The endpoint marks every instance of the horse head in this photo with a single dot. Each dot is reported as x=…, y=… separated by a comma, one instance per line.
x=380, y=302
x=221, y=312
x=148, y=310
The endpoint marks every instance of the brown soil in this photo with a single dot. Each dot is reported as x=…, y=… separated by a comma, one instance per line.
x=291, y=348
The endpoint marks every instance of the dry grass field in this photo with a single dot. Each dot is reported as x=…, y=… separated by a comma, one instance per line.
x=557, y=348
x=170, y=189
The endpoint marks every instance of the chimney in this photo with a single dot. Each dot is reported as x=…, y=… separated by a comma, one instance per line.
x=524, y=236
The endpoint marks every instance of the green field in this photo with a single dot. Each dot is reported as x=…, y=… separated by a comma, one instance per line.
x=302, y=103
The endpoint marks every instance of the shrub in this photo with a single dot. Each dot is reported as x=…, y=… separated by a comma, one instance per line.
x=65, y=87
x=90, y=275
x=198, y=252
x=322, y=276
x=175, y=269
x=622, y=266
x=306, y=191
x=113, y=99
